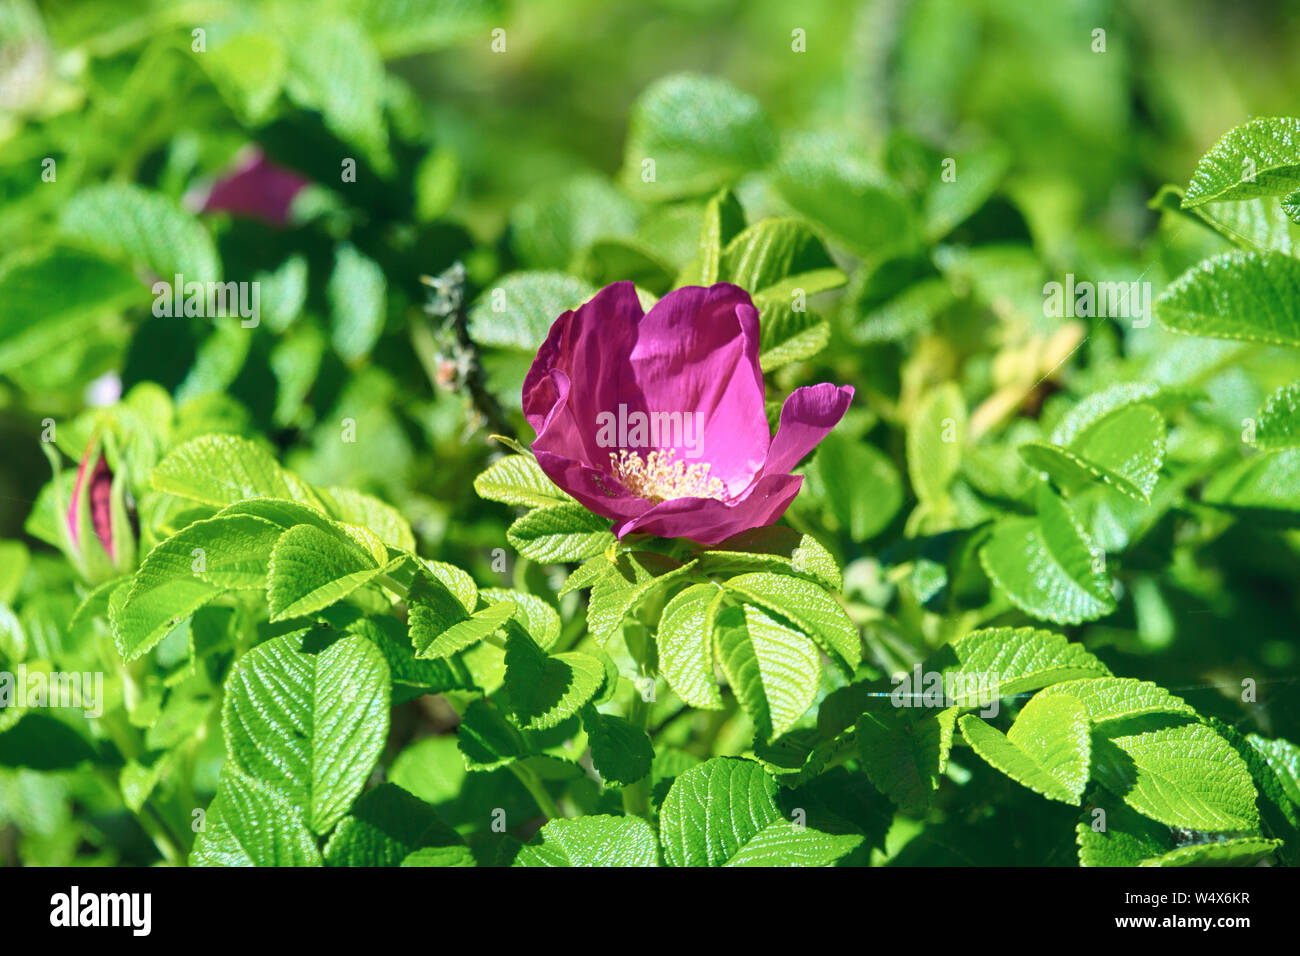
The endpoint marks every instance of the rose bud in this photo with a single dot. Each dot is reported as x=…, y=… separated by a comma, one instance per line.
x=100, y=531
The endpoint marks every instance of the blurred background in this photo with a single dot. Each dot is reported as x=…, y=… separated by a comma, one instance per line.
x=413, y=134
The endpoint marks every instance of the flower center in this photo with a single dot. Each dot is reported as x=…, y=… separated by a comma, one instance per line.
x=661, y=477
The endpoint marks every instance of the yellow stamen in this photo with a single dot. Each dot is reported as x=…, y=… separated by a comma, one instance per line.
x=660, y=477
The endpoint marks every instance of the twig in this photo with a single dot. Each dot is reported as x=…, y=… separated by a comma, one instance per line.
x=449, y=356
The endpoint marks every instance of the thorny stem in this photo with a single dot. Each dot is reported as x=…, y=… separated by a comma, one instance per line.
x=449, y=344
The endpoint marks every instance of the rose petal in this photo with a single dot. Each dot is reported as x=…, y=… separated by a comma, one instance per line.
x=697, y=351
x=709, y=521
x=592, y=487
x=590, y=346
x=807, y=417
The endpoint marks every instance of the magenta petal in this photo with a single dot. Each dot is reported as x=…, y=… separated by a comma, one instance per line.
x=590, y=347
x=593, y=489
x=98, y=494
x=697, y=351
x=708, y=521
x=807, y=417
x=257, y=189
x=590, y=486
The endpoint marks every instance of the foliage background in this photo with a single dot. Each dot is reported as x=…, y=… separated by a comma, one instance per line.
x=515, y=161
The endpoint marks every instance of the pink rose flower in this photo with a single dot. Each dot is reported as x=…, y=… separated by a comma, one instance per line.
x=656, y=419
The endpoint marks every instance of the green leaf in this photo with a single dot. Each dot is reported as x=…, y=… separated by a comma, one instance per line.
x=934, y=440
x=1258, y=158
x=312, y=569
x=786, y=335
x=773, y=669
x=630, y=579
x=547, y=689
x=1022, y=659
x=825, y=178
x=1124, y=448
x=619, y=260
x=309, y=721
x=40, y=741
x=14, y=561
x=249, y=824
x=358, y=508
x=775, y=257
x=560, y=220
x=713, y=809
x=1182, y=776
x=621, y=752
x=386, y=825
x=154, y=612
x=229, y=551
x=1248, y=296
x=222, y=469
x=356, y=293
x=947, y=204
x=1291, y=210
x=782, y=843
x=519, y=480
x=439, y=624
x=859, y=484
x=723, y=219
x=595, y=840
x=558, y=533
x=896, y=315
x=1252, y=224
x=412, y=675
x=457, y=581
x=144, y=228
x=1243, y=851
x=904, y=752
x=1048, y=566
x=1118, y=836
x=441, y=856
x=487, y=739
x=181, y=574
x=1266, y=486
x=1283, y=758
x=1117, y=698
x=1279, y=420
x=685, y=645
x=812, y=559
x=808, y=607
x=701, y=133
x=1279, y=808
x=248, y=68
x=539, y=619
x=1047, y=749
x=1095, y=406
x=48, y=301
x=335, y=70
x=519, y=310
x=400, y=28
